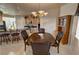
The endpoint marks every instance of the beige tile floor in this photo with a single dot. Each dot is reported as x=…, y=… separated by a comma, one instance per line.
x=18, y=49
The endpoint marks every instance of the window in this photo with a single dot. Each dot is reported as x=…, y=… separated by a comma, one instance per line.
x=10, y=23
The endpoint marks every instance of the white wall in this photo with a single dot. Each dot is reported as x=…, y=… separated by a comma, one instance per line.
x=77, y=31
x=20, y=22
x=49, y=22
x=68, y=9
x=73, y=30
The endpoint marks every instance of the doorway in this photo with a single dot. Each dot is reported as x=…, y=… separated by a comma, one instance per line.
x=10, y=23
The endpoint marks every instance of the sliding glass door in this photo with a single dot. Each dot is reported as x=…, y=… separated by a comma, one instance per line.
x=10, y=23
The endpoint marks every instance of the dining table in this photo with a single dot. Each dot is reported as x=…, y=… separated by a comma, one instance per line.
x=41, y=38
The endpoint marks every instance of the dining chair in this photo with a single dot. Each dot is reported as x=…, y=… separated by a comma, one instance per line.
x=25, y=37
x=41, y=30
x=40, y=48
x=15, y=36
x=58, y=40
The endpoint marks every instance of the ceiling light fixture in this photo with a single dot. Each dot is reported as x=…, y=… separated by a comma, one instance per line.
x=39, y=13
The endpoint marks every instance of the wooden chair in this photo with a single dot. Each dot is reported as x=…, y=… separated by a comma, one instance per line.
x=25, y=37
x=15, y=36
x=4, y=37
x=41, y=30
x=40, y=48
x=57, y=41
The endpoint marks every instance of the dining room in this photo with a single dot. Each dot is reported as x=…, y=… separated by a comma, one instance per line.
x=38, y=28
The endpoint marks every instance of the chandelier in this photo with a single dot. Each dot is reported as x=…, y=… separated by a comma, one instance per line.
x=39, y=13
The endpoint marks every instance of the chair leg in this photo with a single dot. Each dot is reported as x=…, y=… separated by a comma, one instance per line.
x=18, y=38
x=1, y=41
x=12, y=40
x=6, y=41
x=25, y=46
x=58, y=49
x=6, y=38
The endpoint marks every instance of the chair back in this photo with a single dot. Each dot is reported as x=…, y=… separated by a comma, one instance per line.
x=41, y=30
x=59, y=37
x=24, y=35
x=40, y=48
x=15, y=34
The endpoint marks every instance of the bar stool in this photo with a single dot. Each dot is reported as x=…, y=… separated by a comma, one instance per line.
x=0, y=39
x=6, y=37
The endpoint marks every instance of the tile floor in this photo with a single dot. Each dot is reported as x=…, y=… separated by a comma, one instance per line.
x=18, y=49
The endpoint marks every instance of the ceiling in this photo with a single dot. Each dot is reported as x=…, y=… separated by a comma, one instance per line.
x=26, y=8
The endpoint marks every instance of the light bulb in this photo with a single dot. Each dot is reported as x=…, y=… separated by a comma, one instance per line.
x=34, y=13
x=41, y=12
x=45, y=13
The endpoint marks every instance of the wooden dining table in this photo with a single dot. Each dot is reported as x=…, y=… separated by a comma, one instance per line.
x=41, y=37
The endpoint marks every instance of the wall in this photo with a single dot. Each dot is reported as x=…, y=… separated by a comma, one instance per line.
x=68, y=9
x=77, y=31
x=73, y=30
x=49, y=22
x=20, y=22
